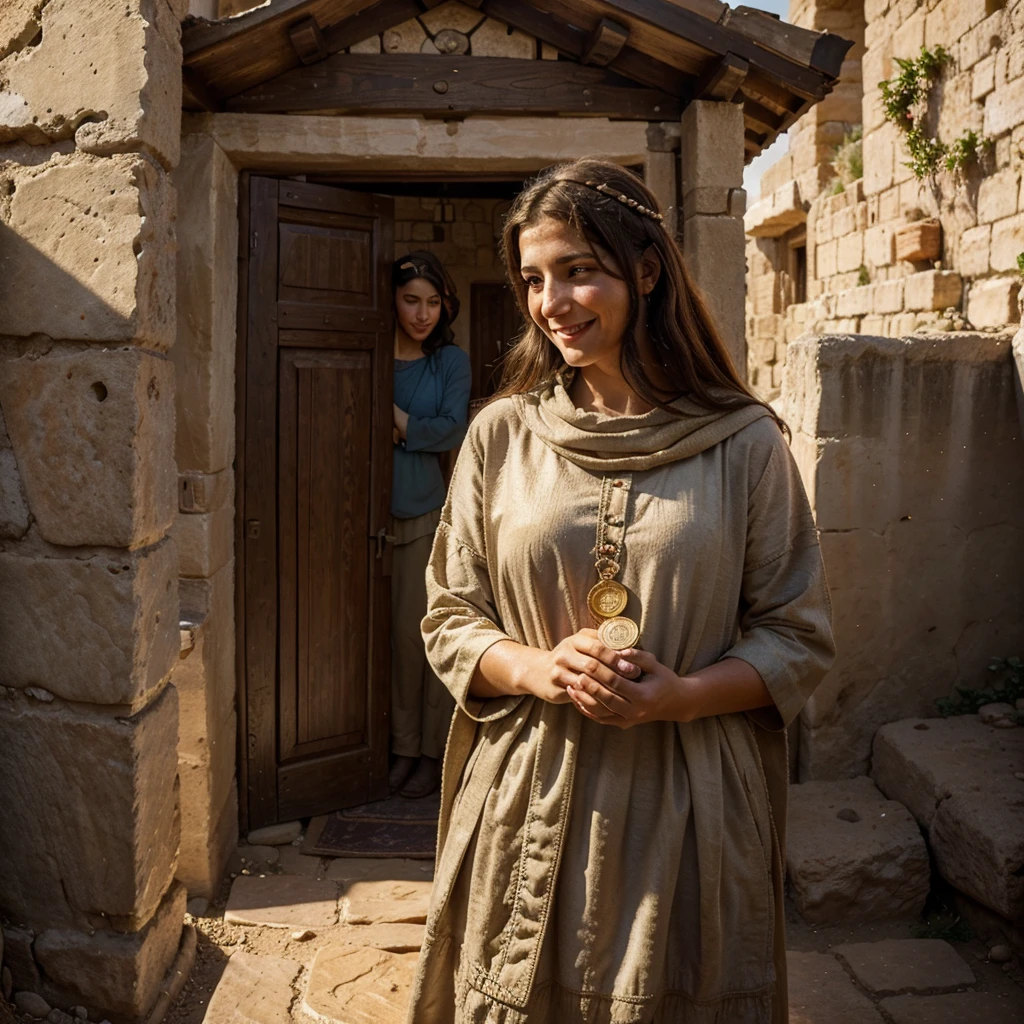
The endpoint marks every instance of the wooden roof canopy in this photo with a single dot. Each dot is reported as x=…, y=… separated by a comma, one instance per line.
x=629, y=59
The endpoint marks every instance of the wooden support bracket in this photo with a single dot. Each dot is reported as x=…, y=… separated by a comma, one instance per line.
x=722, y=80
x=308, y=40
x=605, y=42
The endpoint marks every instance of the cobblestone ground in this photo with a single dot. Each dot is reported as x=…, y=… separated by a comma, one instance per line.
x=303, y=939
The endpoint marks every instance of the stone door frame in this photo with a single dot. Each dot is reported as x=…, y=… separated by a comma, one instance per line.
x=216, y=150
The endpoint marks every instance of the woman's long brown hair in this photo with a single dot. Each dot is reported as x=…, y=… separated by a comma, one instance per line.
x=691, y=358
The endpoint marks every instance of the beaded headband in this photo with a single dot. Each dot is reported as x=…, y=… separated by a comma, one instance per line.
x=645, y=211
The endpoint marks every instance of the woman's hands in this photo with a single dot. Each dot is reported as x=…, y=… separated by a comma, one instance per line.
x=550, y=674
x=643, y=690
x=401, y=420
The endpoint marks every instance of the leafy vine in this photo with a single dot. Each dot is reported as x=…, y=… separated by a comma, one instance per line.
x=904, y=103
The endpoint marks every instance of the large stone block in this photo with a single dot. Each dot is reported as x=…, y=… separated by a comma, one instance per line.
x=957, y=777
x=1004, y=108
x=974, y=251
x=911, y=454
x=494, y=39
x=712, y=145
x=90, y=802
x=206, y=541
x=107, y=72
x=122, y=974
x=14, y=514
x=91, y=430
x=997, y=196
x=204, y=353
x=852, y=855
x=207, y=839
x=99, y=234
x=932, y=289
x=994, y=303
x=103, y=630
x=713, y=248
x=1007, y=243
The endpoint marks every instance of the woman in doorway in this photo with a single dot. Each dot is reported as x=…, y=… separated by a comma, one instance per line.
x=613, y=806
x=431, y=397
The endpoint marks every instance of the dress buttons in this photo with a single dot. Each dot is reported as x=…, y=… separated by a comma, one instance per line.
x=616, y=483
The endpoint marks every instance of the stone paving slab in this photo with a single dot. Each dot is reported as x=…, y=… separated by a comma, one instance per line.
x=360, y=986
x=282, y=901
x=393, y=938
x=292, y=861
x=961, y=1008
x=895, y=966
x=253, y=990
x=381, y=869
x=821, y=992
x=385, y=902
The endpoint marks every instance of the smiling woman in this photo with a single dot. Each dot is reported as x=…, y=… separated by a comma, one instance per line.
x=627, y=602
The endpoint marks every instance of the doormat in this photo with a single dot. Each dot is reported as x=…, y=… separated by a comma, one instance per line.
x=385, y=828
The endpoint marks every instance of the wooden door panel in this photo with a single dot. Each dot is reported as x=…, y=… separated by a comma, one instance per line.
x=325, y=418
x=317, y=479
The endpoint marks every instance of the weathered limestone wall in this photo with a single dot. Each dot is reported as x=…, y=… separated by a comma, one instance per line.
x=912, y=455
x=89, y=131
x=463, y=233
x=856, y=280
x=204, y=361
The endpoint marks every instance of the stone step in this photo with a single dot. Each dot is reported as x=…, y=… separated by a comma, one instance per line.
x=852, y=855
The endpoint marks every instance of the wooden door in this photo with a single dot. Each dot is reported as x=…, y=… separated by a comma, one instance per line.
x=315, y=488
x=495, y=323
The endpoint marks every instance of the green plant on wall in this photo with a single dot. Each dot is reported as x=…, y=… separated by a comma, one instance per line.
x=848, y=160
x=904, y=103
x=1020, y=263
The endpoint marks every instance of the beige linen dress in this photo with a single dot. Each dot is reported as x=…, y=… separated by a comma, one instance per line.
x=588, y=873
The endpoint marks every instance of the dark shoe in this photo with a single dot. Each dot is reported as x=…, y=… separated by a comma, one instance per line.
x=425, y=780
x=401, y=768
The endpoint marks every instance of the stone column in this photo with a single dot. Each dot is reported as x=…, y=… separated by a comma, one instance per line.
x=88, y=574
x=713, y=207
x=661, y=169
x=204, y=357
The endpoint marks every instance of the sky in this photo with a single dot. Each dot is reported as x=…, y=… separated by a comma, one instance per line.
x=752, y=173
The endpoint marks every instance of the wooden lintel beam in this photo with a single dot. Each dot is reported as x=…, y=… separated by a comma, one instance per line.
x=605, y=42
x=308, y=40
x=722, y=80
x=454, y=86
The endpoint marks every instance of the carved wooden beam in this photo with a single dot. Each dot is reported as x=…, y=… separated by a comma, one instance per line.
x=605, y=42
x=308, y=40
x=723, y=79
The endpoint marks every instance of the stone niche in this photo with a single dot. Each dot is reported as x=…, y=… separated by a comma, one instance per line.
x=912, y=456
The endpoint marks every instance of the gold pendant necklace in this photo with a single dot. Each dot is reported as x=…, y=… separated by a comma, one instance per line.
x=608, y=598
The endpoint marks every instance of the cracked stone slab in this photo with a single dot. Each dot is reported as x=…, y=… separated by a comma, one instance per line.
x=821, y=992
x=961, y=1008
x=393, y=938
x=360, y=986
x=385, y=902
x=282, y=901
x=897, y=966
x=380, y=869
x=253, y=990
x=957, y=777
x=853, y=855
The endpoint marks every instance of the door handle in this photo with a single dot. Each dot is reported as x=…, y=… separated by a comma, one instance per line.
x=382, y=537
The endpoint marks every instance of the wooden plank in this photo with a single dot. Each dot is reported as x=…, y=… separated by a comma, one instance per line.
x=823, y=51
x=761, y=118
x=308, y=40
x=605, y=43
x=241, y=327
x=196, y=94
x=722, y=80
x=372, y=21
x=260, y=547
x=770, y=93
x=455, y=86
x=572, y=41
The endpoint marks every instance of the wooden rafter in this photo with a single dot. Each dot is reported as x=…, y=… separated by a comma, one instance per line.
x=605, y=43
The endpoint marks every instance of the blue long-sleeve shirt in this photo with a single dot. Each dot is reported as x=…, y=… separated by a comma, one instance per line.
x=434, y=391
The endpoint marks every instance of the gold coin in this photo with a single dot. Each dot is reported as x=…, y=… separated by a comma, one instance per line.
x=607, y=598
x=618, y=633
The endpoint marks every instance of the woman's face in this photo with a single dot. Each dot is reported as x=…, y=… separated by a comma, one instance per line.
x=418, y=308
x=580, y=307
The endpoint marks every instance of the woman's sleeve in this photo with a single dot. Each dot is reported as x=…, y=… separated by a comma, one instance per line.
x=461, y=621
x=786, y=612
x=446, y=430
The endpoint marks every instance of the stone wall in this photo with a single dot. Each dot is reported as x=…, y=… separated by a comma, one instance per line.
x=89, y=133
x=891, y=254
x=912, y=456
